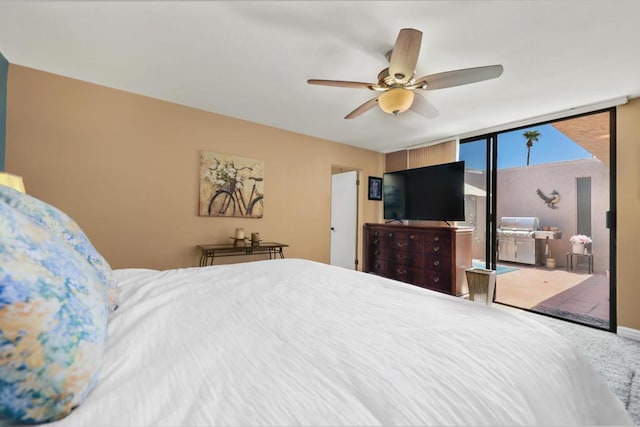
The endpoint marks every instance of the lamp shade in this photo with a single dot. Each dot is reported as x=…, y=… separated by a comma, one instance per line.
x=13, y=181
x=396, y=100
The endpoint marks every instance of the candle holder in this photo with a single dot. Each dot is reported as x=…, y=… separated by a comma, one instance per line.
x=239, y=233
x=239, y=243
x=255, y=239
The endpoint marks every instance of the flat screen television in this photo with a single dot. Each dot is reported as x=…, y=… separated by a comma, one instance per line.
x=427, y=193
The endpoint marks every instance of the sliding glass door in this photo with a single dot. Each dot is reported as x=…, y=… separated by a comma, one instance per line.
x=538, y=199
x=475, y=154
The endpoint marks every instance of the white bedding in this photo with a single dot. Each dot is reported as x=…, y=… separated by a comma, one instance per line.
x=294, y=342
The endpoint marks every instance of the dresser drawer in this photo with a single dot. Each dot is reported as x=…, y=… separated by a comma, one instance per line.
x=443, y=239
x=437, y=249
x=404, y=273
x=408, y=235
x=382, y=252
x=377, y=242
x=409, y=258
x=439, y=281
x=379, y=266
x=397, y=240
x=392, y=233
x=381, y=235
x=407, y=245
x=436, y=280
x=438, y=263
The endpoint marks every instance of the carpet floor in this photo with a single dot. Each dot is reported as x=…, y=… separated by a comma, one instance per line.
x=616, y=358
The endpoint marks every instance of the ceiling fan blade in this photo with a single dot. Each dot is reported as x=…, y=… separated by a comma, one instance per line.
x=341, y=83
x=404, y=56
x=423, y=107
x=459, y=77
x=362, y=109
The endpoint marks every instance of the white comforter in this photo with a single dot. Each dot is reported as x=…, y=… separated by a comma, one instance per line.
x=294, y=342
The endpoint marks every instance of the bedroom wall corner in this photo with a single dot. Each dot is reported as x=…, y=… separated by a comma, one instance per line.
x=628, y=212
x=126, y=168
x=4, y=73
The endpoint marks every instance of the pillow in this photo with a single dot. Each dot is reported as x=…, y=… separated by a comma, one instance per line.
x=53, y=322
x=60, y=223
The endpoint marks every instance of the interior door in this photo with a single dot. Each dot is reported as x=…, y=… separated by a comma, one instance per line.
x=344, y=219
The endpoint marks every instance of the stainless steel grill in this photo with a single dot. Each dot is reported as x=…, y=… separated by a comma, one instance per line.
x=516, y=239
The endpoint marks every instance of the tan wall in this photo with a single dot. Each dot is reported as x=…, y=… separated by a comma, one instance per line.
x=628, y=211
x=126, y=167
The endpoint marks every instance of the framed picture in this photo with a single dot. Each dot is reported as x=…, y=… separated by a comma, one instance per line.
x=375, y=188
x=231, y=186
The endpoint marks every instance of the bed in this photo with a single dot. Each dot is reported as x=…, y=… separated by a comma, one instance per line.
x=291, y=342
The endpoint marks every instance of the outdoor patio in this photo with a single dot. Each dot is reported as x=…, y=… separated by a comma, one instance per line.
x=574, y=295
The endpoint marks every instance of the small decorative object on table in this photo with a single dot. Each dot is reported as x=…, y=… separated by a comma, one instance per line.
x=239, y=243
x=255, y=239
x=239, y=233
x=239, y=239
x=577, y=243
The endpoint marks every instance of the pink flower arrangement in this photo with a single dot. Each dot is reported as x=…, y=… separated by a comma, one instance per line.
x=580, y=238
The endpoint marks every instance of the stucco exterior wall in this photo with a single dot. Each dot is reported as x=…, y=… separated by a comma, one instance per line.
x=517, y=197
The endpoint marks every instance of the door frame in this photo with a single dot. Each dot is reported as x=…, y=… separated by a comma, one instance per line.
x=338, y=170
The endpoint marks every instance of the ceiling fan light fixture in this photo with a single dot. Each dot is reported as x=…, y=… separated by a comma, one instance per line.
x=395, y=101
x=397, y=83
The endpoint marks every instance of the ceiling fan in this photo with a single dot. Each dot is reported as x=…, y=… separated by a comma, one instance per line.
x=398, y=88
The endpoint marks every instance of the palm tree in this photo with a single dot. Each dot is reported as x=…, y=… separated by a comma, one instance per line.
x=532, y=136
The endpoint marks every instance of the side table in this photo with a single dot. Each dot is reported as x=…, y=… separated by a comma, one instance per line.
x=572, y=255
x=210, y=252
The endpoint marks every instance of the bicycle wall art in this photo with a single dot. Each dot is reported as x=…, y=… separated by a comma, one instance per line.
x=231, y=186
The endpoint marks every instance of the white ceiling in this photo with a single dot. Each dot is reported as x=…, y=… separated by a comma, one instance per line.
x=251, y=60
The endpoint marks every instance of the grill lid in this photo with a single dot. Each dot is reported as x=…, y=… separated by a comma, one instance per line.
x=519, y=223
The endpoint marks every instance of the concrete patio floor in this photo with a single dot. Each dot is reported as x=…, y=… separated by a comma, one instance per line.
x=575, y=295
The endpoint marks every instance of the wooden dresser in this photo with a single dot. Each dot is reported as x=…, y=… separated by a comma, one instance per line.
x=430, y=257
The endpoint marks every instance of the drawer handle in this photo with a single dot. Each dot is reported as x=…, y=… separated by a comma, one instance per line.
x=401, y=256
x=412, y=237
x=376, y=233
x=377, y=252
x=390, y=234
x=436, y=262
x=400, y=271
x=436, y=249
x=436, y=239
x=436, y=279
x=375, y=242
x=400, y=244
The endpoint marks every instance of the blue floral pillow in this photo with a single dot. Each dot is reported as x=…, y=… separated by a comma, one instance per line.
x=60, y=223
x=54, y=311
